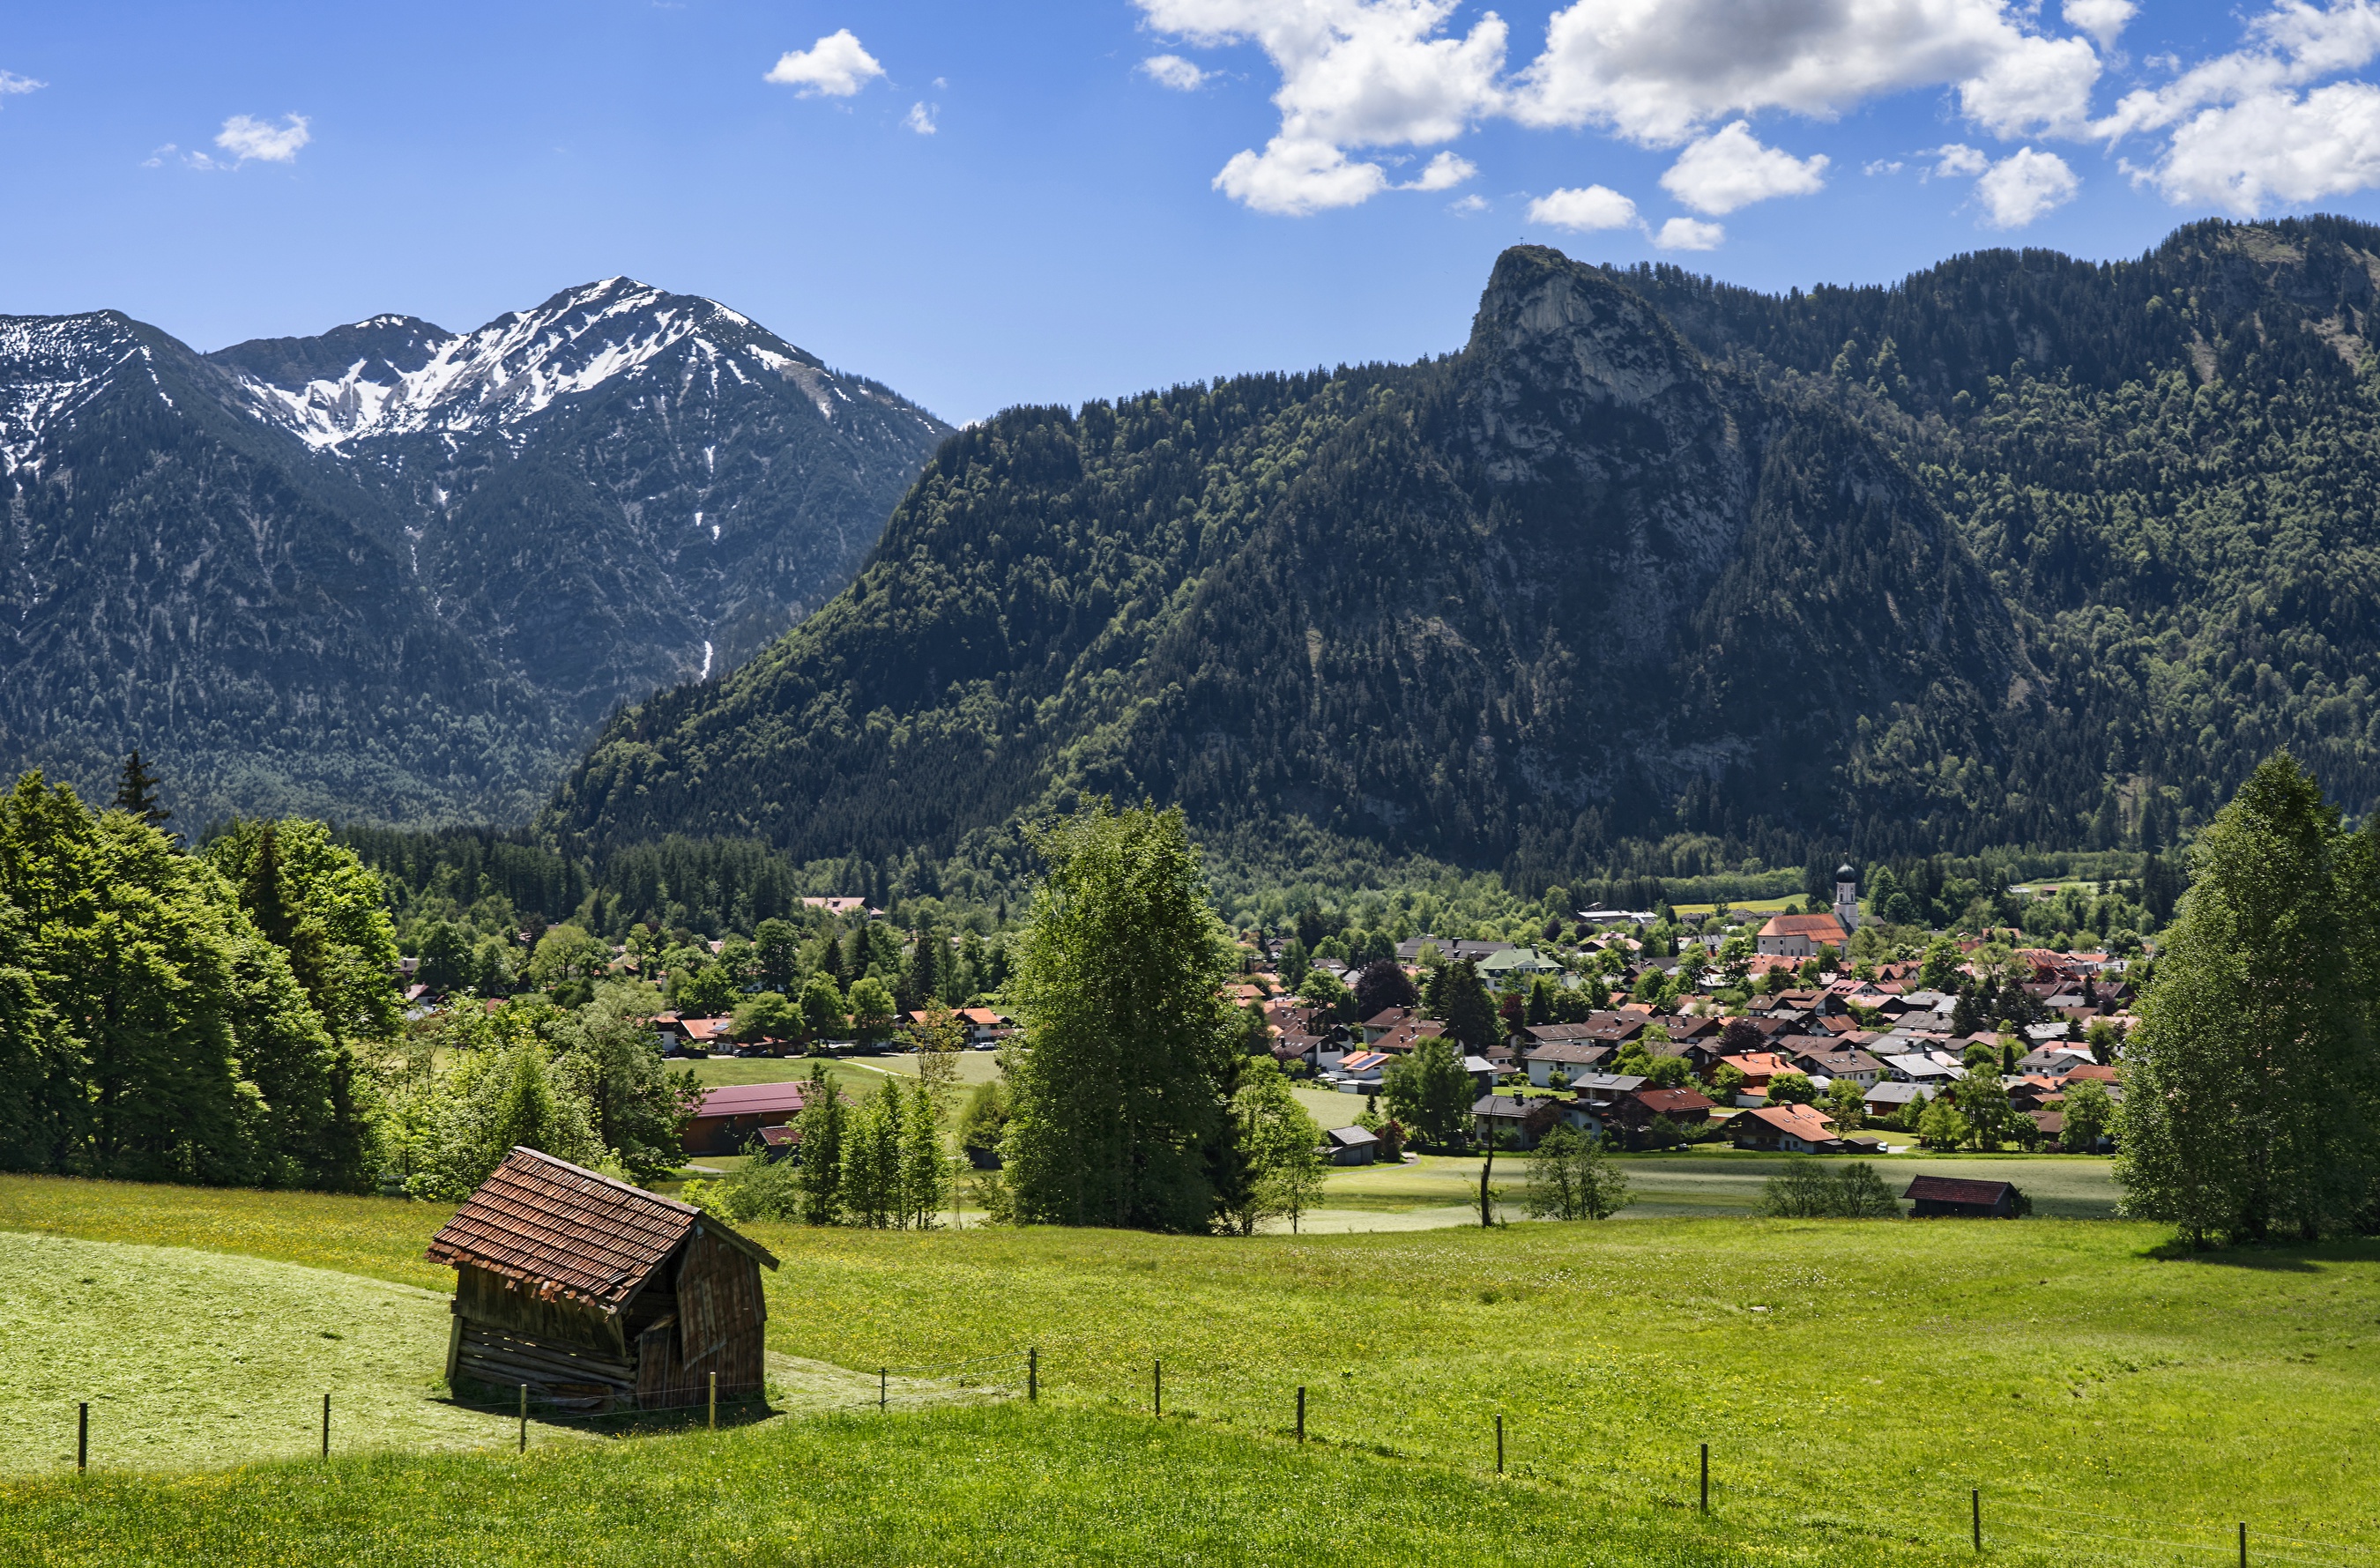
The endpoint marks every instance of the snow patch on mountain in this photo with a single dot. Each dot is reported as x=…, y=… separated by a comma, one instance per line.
x=519, y=365
x=60, y=365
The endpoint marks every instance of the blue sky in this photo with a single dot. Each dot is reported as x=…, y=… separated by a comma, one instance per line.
x=1059, y=233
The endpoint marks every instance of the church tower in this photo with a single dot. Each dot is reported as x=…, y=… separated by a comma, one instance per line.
x=1847, y=897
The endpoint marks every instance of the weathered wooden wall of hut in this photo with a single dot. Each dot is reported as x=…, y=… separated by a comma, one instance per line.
x=720, y=1325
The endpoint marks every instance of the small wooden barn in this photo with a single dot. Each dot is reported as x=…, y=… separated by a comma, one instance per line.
x=594, y=1291
x=1937, y=1197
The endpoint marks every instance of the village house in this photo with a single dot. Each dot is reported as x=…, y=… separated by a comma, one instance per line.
x=1571, y=1058
x=1892, y=1096
x=985, y=1028
x=1513, y=1123
x=1602, y=1089
x=1359, y=1073
x=1350, y=1146
x=1632, y=1114
x=1800, y=936
x=1789, y=1129
x=1399, y=1030
x=1934, y=1069
x=1831, y=1063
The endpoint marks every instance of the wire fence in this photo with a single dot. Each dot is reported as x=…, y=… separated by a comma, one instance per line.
x=2015, y=1515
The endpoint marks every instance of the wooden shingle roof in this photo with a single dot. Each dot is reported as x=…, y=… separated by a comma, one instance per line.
x=569, y=1231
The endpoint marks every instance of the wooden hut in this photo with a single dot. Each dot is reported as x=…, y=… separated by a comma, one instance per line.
x=594, y=1291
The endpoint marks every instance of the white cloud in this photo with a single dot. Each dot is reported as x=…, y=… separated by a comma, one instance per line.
x=1732, y=169
x=1173, y=71
x=1585, y=208
x=1656, y=71
x=1292, y=178
x=2024, y=185
x=245, y=138
x=2276, y=149
x=1467, y=205
x=2248, y=130
x=2036, y=84
x=2103, y=19
x=1959, y=161
x=1685, y=234
x=835, y=66
x=2264, y=124
x=1353, y=74
x=15, y=86
x=1882, y=166
x=1443, y=173
x=919, y=119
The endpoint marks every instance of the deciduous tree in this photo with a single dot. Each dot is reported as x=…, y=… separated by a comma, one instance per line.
x=1117, y=1079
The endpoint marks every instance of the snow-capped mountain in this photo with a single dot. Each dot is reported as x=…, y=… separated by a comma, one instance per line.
x=406, y=376
x=59, y=365
x=393, y=571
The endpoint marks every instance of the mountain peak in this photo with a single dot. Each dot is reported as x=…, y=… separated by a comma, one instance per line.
x=397, y=375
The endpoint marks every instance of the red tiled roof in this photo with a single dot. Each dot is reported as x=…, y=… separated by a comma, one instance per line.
x=1661, y=1101
x=567, y=1231
x=1804, y=925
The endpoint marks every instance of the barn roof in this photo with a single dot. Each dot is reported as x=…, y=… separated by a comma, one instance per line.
x=754, y=1100
x=570, y=1231
x=1951, y=1189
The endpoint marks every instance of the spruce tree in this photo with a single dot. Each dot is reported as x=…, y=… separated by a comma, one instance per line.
x=136, y=791
x=871, y=1159
x=1469, y=1011
x=925, y=1169
x=820, y=1149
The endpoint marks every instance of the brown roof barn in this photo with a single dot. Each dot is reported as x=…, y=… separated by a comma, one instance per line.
x=598, y=1294
x=731, y=1113
x=1947, y=1197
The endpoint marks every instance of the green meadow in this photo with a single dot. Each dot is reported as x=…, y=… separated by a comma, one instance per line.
x=1854, y=1380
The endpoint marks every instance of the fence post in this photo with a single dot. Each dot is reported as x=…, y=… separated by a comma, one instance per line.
x=1705, y=1478
x=1500, y=1443
x=326, y=1426
x=524, y=1418
x=83, y=1437
x=2243, y=1543
x=714, y=1401
x=1301, y=1412
x=1157, y=1385
x=1975, y=1502
x=1033, y=1373
x=883, y=1388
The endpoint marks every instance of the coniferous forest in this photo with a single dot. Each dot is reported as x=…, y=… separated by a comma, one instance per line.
x=1652, y=576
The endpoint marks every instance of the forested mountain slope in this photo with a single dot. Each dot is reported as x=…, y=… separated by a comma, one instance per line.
x=1506, y=607
x=397, y=574
x=2169, y=467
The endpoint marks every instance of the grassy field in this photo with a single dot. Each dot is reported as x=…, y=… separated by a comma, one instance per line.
x=377, y=1238
x=1444, y=1189
x=1009, y=1485
x=1852, y=1379
x=189, y=1356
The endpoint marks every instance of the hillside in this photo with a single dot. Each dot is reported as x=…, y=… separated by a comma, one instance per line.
x=397, y=573
x=1504, y=606
x=2109, y=1400
x=2169, y=468
x=1654, y=574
